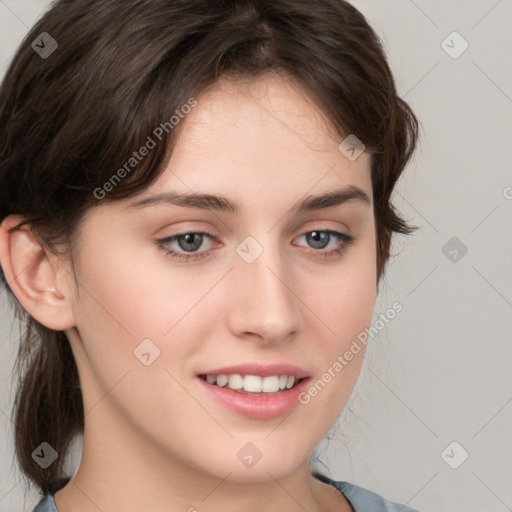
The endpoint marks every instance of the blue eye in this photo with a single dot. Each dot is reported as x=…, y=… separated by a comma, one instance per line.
x=186, y=241
x=321, y=238
x=191, y=241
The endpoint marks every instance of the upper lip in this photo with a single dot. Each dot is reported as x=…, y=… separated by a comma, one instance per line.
x=262, y=370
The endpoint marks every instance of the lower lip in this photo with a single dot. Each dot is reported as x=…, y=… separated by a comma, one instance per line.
x=260, y=407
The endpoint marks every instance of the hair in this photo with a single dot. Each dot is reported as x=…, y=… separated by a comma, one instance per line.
x=121, y=68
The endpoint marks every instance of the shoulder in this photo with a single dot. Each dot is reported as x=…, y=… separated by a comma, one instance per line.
x=364, y=500
x=361, y=499
x=47, y=503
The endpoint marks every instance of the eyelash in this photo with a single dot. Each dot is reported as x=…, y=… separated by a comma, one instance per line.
x=344, y=239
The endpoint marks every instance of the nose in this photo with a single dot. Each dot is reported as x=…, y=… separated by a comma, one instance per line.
x=264, y=304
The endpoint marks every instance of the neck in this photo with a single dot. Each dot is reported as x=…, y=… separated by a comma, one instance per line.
x=122, y=472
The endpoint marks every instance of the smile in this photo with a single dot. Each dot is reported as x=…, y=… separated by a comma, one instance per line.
x=252, y=384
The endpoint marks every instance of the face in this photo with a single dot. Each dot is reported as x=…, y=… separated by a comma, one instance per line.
x=265, y=282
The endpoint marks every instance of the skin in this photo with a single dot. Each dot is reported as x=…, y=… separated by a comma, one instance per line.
x=153, y=439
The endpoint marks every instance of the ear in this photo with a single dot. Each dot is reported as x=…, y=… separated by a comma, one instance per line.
x=38, y=278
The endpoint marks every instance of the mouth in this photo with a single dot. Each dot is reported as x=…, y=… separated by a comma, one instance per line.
x=253, y=384
x=255, y=390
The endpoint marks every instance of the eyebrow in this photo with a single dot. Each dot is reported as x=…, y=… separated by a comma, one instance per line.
x=223, y=204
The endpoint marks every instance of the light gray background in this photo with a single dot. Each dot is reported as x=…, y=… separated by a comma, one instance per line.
x=441, y=370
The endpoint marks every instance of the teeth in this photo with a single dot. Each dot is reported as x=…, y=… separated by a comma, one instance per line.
x=270, y=384
x=253, y=383
x=222, y=380
x=235, y=382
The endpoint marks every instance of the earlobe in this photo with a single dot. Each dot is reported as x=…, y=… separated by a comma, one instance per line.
x=35, y=276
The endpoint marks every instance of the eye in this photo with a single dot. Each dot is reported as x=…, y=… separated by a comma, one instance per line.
x=319, y=239
x=190, y=242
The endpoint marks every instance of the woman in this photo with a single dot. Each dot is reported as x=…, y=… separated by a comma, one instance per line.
x=195, y=207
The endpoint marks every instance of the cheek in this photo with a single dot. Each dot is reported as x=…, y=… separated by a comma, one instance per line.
x=124, y=301
x=115, y=312
x=127, y=295
x=343, y=299
x=343, y=305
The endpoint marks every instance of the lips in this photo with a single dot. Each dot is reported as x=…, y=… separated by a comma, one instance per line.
x=248, y=398
x=256, y=378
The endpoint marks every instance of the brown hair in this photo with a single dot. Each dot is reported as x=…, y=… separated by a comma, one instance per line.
x=121, y=68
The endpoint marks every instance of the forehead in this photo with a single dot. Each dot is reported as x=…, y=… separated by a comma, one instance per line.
x=251, y=107
x=246, y=130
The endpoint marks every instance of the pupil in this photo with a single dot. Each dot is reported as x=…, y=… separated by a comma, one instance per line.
x=190, y=238
x=321, y=236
